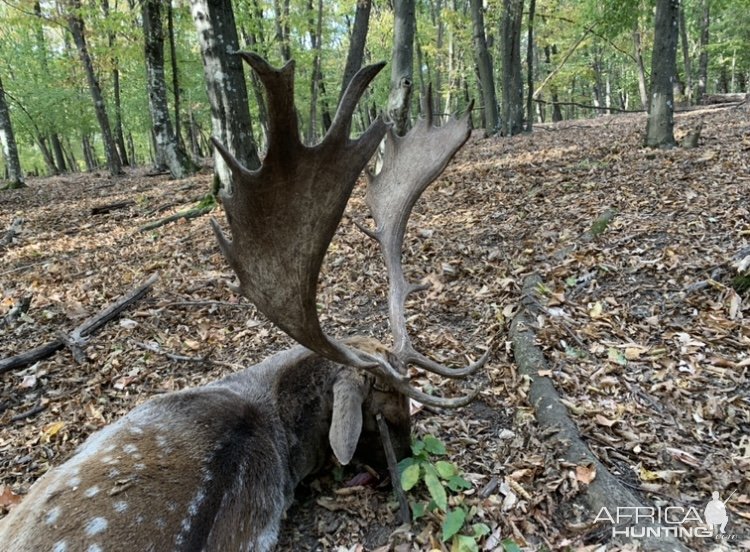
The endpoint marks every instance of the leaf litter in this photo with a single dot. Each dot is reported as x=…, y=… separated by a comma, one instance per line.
x=648, y=341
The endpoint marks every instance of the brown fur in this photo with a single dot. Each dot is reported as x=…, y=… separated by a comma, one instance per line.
x=211, y=468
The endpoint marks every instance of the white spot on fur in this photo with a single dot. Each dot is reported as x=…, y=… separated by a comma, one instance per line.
x=120, y=506
x=94, y=548
x=60, y=546
x=130, y=448
x=138, y=519
x=73, y=482
x=96, y=525
x=91, y=491
x=140, y=466
x=160, y=523
x=136, y=430
x=113, y=473
x=171, y=506
x=52, y=515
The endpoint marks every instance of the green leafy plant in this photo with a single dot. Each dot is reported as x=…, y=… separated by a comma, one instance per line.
x=444, y=483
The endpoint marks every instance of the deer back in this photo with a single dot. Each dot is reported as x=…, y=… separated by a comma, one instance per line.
x=210, y=468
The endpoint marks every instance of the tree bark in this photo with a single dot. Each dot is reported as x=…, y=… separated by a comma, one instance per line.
x=119, y=136
x=175, y=72
x=402, y=65
x=76, y=27
x=282, y=29
x=642, y=87
x=686, y=55
x=705, y=22
x=168, y=150
x=357, y=42
x=257, y=45
x=530, y=68
x=660, y=126
x=225, y=83
x=8, y=143
x=512, y=82
x=316, y=82
x=484, y=67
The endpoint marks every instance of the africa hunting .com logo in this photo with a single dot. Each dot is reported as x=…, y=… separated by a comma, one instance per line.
x=671, y=521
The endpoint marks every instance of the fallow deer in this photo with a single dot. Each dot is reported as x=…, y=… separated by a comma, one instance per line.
x=214, y=468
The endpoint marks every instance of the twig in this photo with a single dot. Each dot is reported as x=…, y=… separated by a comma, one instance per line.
x=89, y=327
x=189, y=214
x=16, y=312
x=29, y=413
x=390, y=456
x=104, y=209
x=154, y=348
x=13, y=230
x=203, y=304
x=75, y=344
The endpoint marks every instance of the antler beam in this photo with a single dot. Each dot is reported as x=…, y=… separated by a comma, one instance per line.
x=410, y=164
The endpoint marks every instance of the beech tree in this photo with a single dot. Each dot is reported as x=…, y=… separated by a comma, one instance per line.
x=8, y=143
x=512, y=82
x=168, y=150
x=77, y=29
x=402, y=65
x=660, y=126
x=484, y=67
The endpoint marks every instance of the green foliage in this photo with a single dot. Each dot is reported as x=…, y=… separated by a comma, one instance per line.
x=444, y=484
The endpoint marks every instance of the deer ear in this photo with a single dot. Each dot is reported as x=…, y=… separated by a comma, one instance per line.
x=346, y=424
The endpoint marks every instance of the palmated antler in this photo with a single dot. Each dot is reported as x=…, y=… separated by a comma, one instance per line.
x=410, y=164
x=284, y=215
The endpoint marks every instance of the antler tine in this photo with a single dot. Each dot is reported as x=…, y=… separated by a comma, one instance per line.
x=284, y=214
x=342, y=120
x=410, y=164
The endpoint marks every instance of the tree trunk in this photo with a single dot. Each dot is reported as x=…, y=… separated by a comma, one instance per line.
x=316, y=39
x=703, y=59
x=88, y=154
x=402, y=71
x=512, y=82
x=76, y=27
x=47, y=155
x=282, y=29
x=8, y=143
x=484, y=68
x=357, y=42
x=530, y=67
x=686, y=56
x=168, y=149
x=175, y=72
x=660, y=126
x=119, y=137
x=225, y=84
x=256, y=45
x=72, y=163
x=436, y=8
x=642, y=88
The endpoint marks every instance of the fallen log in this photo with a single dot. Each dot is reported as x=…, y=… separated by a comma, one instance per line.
x=104, y=209
x=89, y=327
x=605, y=491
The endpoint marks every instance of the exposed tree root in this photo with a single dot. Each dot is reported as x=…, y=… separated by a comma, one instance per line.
x=605, y=491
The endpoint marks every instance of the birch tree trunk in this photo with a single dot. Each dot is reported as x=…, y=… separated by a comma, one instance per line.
x=8, y=143
x=225, y=84
x=76, y=27
x=660, y=126
x=530, y=67
x=402, y=70
x=168, y=150
x=484, y=67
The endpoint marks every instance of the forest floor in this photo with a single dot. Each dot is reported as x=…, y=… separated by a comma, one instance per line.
x=645, y=338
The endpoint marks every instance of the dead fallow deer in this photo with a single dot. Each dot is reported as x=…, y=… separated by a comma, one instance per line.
x=214, y=468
